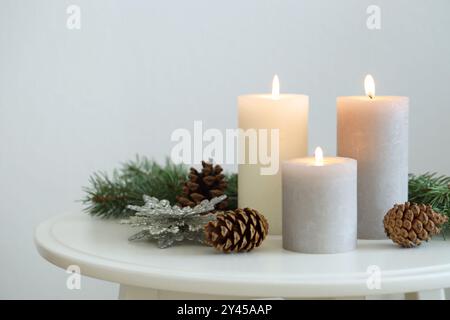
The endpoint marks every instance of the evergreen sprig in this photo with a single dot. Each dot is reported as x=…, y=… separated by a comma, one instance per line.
x=108, y=196
x=232, y=190
x=431, y=189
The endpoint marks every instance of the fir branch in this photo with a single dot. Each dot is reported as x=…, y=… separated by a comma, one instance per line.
x=108, y=197
x=231, y=190
x=431, y=189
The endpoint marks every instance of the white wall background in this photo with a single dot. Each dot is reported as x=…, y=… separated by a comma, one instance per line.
x=75, y=101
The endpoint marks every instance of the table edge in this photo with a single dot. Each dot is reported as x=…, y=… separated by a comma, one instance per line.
x=100, y=268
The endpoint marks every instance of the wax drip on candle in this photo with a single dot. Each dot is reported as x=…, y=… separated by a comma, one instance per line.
x=318, y=155
x=276, y=88
x=369, y=85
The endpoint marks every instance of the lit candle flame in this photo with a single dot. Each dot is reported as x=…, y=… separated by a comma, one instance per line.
x=369, y=85
x=318, y=154
x=276, y=88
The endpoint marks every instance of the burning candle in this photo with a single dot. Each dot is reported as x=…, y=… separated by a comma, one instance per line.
x=374, y=131
x=260, y=188
x=319, y=204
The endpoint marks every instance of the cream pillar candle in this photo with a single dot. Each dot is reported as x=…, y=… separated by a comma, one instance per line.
x=319, y=204
x=374, y=131
x=289, y=114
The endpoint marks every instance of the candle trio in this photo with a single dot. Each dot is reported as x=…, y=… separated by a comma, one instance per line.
x=322, y=205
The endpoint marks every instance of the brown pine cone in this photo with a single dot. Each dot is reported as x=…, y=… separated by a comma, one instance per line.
x=239, y=230
x=409, y=224
x=207, y=184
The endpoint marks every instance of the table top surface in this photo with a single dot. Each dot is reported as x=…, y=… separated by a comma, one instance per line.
x=101, y=249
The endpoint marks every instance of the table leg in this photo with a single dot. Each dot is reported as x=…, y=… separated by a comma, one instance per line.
x=438, y=294
x=127, y=292
x=398, y=296
x=137, y=293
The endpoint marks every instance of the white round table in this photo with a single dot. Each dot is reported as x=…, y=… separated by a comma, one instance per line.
x=377, y=268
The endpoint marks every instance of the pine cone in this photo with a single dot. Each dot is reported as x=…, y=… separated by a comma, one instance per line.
x=207, y=184
x=239, y=230
x=409, y=224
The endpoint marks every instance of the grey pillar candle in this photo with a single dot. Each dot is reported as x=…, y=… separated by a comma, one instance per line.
x=374, y=131
x=319, y=205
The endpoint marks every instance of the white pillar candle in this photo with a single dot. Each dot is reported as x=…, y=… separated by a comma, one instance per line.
x=289, y=114
x=319, y=204
x=374, y=131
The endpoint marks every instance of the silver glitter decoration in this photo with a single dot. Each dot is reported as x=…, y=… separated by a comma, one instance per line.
x=168, y=224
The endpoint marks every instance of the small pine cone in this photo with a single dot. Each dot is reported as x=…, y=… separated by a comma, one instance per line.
x=239, y=230
x=207, y=184
x=410, y=224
